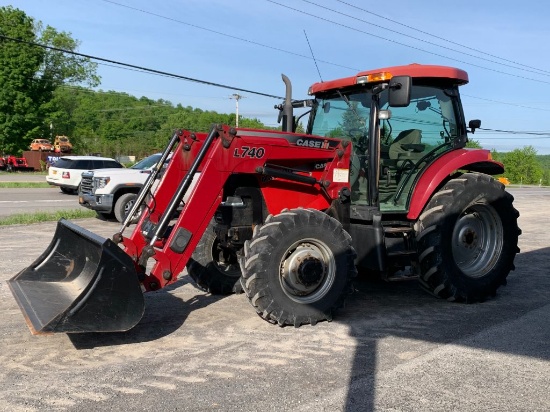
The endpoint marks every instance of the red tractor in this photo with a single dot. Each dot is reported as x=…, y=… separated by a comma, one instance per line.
x=12, y=163
x=381, y=182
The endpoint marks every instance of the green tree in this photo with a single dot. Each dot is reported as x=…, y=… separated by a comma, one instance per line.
x=522, y=166
x=18, y=66
x=352, y=123
x=474, y=144
x=496, y=155
x=29, y=76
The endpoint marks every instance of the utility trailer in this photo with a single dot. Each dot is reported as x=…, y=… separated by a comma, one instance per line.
x=12, y=163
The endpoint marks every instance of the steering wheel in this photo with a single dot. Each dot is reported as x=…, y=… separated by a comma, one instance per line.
x=359, y=139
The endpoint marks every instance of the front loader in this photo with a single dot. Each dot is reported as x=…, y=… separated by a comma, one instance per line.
x=380, y=183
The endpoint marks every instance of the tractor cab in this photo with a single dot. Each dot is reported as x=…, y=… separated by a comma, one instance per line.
x=408, y=136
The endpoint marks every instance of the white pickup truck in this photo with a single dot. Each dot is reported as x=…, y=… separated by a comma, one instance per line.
x=113, y=191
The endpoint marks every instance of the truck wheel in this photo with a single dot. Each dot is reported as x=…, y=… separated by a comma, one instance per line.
x=123, y=205
x=467, y=239
x=214, y=269
x=298, y=267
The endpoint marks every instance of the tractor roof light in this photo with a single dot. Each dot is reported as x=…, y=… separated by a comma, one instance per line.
x=374, y=77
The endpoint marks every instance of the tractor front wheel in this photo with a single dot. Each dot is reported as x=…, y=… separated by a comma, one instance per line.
x=467, y=239
x=298, y=267
x=213, y=268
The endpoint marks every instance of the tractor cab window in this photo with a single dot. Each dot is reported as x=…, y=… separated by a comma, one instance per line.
x=430, y=117
x=344, y=116
x=411, y=139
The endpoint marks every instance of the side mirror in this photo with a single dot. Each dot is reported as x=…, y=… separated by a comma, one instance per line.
x=474, y=124
x=400, y=91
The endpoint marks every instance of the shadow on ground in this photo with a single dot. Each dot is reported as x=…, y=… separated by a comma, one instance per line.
x=381, y=310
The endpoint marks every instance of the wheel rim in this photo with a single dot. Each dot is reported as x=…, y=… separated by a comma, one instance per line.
x=307, y=271
x=226, y=261
x=477, y=240
x=128, y=206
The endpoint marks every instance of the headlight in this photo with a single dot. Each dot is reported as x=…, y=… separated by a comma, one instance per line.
x=101, y=182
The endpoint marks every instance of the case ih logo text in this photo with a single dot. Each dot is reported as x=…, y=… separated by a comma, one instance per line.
x=318, y=144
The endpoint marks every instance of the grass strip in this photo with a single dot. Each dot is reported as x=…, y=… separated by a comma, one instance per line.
x=30, y=218
x=22, y=185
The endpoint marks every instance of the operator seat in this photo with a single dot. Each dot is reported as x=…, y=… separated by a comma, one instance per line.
x=403, y=154
x=407, y=146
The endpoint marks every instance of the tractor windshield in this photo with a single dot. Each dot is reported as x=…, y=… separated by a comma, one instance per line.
x=410, y=139
x=342, y=115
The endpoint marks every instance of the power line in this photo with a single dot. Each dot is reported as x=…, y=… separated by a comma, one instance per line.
x=544, y=135
x=438, y=37
x=145, y=69
x=225, y=34
x=423, y=40
x=403, y=44
x=125, y=91
x=507, y=103
x=171, y=75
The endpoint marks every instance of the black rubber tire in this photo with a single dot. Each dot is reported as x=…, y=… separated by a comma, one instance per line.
x=66, y=191
x=123, y=205
x=213, y=269
x=467, y=239
x=277, y=252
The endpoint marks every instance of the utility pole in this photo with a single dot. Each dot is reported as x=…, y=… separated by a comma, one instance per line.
x=237, y=97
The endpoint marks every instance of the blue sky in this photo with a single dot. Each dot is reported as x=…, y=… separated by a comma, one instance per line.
x=503, y=45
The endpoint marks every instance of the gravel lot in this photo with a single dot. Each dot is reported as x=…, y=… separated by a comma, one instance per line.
x=392, y=348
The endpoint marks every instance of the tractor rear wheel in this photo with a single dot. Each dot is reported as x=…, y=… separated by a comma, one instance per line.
x=298, y=267
x=213, y=268
x=467, y=239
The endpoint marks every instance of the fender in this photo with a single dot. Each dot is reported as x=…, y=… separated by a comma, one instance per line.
x=473, y=160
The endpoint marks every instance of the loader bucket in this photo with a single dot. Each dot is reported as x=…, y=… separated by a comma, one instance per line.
x=81, y=283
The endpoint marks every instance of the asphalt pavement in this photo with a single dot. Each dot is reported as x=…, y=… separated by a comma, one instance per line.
x=392, y=348
x=32, y=200
x=22, y=177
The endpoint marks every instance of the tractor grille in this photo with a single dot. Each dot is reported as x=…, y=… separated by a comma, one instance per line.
x=87, y=183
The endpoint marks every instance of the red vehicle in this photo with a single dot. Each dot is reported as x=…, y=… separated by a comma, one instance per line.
x=381, y=182
x=13, y=164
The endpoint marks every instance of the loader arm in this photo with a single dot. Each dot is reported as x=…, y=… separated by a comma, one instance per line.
x=209, y=161
x=85, y=283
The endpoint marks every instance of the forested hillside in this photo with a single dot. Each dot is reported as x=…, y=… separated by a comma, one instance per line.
x=114, y=123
